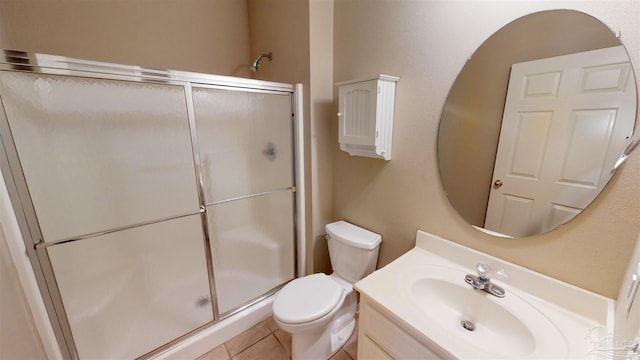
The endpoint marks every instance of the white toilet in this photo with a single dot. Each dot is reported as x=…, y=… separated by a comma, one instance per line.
x=318, y=310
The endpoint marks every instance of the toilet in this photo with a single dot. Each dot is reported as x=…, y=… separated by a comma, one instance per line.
x=318, y=310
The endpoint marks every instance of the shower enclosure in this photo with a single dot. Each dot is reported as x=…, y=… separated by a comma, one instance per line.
x=153, y=203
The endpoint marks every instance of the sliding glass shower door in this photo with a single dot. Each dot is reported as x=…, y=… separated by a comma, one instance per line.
x=100, y=154
x=245, y=142
x=109, y=169
x=152, y=207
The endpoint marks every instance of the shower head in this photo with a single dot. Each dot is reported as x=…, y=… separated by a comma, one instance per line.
x=255, y=65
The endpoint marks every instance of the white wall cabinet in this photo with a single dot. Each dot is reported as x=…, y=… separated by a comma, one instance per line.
x=366, y=116
x=381, y=338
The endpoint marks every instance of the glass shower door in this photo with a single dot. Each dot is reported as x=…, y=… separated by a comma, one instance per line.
x=131, y=291
x=152, y=202
x=245, y=145
x=110, y=174
x=100, y=154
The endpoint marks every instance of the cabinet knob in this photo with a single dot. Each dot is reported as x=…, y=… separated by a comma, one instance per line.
x=339, y=114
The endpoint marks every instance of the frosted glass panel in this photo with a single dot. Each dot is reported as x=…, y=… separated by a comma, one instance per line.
x=129, y=292
x=100, y=154
x=252, y=245
x=244, y=140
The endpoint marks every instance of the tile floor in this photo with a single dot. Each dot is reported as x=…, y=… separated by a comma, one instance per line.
x=266, y=342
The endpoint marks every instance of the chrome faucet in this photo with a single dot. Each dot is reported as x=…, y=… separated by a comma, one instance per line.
x=482, y=281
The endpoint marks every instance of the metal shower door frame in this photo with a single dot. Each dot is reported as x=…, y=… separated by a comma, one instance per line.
x=25, y=212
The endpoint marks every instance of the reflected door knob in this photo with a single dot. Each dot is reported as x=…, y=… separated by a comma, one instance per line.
x=497, y=183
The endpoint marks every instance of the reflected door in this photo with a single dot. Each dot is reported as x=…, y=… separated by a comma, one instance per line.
x=566, y=119
x=245, y=144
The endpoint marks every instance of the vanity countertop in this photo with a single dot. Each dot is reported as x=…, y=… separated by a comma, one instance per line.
x=556, y=319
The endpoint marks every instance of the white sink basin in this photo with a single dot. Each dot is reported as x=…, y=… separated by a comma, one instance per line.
x=500, y=327
x=539, y=317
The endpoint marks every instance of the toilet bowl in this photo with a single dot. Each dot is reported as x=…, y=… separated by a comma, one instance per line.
x=318, y=310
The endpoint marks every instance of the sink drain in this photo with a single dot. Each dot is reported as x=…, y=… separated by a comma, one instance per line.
x=467, y=325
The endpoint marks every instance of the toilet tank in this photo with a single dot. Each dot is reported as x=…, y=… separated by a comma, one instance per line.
x=353, y=250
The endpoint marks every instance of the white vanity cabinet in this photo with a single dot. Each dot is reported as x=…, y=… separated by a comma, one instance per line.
x=366, y=116
x=380, y=337
x=412, y=309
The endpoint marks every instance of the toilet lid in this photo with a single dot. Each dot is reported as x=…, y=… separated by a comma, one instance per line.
x=306, y=299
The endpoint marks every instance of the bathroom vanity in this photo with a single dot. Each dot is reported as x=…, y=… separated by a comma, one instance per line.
x=420, y=307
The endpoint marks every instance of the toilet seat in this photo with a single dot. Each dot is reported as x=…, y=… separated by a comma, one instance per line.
x=306, y=299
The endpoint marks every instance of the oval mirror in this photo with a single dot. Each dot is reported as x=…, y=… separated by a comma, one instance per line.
x=534, y=123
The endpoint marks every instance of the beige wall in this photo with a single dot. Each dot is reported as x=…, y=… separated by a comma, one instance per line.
x=280, y=27
x=197, y=35
x=19, y=338
x=322, y=115
x=426, y=43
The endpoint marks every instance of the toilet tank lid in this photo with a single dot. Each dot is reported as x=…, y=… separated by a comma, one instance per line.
x=354, y=235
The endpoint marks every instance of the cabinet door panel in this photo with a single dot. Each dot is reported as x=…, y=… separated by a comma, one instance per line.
x=357, y=104
x=367, y=349
x=390, y=336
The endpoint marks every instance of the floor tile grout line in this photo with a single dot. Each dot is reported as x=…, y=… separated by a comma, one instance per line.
x=250, y=345
x=281, y=344
x=348, y=355
x=224, y=346
x=246, y=348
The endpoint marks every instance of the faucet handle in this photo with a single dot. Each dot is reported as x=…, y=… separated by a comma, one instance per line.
x=484, y=271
